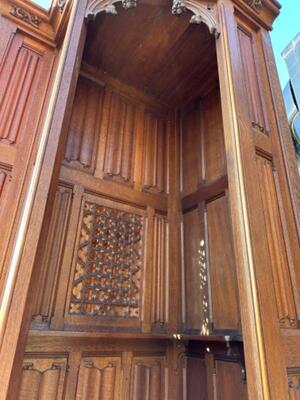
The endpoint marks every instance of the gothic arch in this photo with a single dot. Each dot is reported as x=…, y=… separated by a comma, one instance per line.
x=202, y=12
x=97, y=6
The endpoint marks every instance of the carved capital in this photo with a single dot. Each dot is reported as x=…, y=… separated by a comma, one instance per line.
x=255, y=4
x=202, y=14
x=97, y=6
x=25, y=16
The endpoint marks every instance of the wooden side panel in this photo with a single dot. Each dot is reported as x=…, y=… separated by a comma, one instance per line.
x=256, y=102
x=195, y=273
x=222, y=267
x=213, y=137
x=229, y=383
x=43, y=378
x=148, y=378
x=191, y=163
x=160, y=271
x=24, y=75
x=277, y=248
x=155, y=153
x=84, y=125
x=49, y=264
x=18, y=82
x=99, y=378
x=196, y=379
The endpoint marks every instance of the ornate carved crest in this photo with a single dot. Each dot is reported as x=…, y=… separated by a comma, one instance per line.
x=255, y=4
x=202, y=14
x=26, y=16
x=97, y=6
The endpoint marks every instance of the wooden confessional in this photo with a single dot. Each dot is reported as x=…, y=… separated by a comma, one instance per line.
x=158, y=260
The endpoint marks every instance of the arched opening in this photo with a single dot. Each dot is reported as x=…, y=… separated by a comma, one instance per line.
x=138, y=259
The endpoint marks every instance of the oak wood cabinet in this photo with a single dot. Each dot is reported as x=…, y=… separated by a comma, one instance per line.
x=148, y=203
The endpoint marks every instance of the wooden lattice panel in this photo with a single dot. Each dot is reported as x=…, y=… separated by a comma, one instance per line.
x=108, y=264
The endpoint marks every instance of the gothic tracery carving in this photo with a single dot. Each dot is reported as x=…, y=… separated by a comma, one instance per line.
x=26, y=16
x=255, y=4
x=108, y=267
x=202, y=14
x=97, y=6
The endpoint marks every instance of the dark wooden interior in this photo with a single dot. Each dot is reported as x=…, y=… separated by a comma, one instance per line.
x=147, y=211
x=145, y=146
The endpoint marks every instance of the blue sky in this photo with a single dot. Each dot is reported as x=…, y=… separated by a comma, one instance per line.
x=285, y=29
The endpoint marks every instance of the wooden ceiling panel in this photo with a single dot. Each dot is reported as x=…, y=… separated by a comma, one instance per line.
x=152, y=50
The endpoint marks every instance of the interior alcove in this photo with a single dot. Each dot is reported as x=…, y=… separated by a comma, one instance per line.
x=145, y=150
x=161, y=74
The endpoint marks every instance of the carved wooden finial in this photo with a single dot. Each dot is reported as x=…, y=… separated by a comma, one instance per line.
x=202, y=14
x=97, y=6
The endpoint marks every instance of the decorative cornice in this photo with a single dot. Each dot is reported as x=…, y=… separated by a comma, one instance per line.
x=25, y=16
x=96, y=6
x=202, y=14
x=255, y=4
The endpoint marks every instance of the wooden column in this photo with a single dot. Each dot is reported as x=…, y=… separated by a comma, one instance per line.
x=19, y=285
x=264, y=251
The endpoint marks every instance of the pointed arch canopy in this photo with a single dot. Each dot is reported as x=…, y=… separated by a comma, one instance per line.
x=97, y=6
x=202, y=12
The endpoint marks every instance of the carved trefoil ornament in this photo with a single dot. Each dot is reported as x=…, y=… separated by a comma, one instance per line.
x=203, y=13
x=25, y=16
x=97, y=6
x=255, y=4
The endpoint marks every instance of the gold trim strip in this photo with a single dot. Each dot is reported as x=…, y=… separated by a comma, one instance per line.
x=29, y=200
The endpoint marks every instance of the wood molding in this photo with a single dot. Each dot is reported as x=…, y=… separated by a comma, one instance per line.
x=205, y=192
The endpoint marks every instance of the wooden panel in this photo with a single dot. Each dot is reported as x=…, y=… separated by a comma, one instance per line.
x=108, y=261
x=24, y=77
x=256, y=104
x=191, y=174
x=169, y=68
x=51, y=258
x=195, y=273
x=84, y=125
x=277, y=247
x=213, y=138
x=119, y=149
x=18, y=83
x=155, y=153
x=196, y=380
x=222, y=266
x=43, y=378
x=160, y=271
x=229, y=383
x=148, y=378
x=99, y=378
